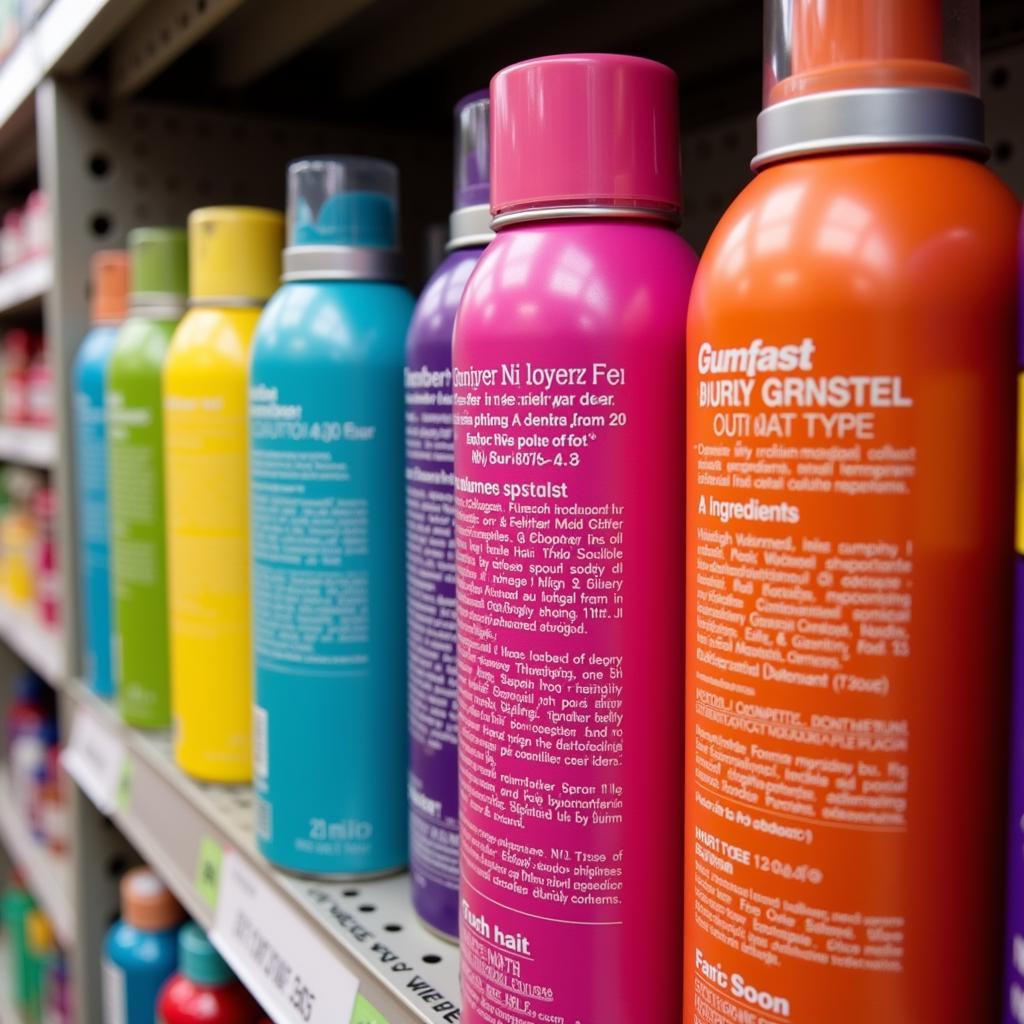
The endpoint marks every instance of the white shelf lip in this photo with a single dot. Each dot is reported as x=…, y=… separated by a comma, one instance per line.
x=26, y=283
x=367, y=926
x=47, y=875
x=41, y=48
x=40, y=647
x=28, y=446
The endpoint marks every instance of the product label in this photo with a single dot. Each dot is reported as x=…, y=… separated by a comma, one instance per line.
x=817, y=525
x=430, y=561
x=327, y=591
x=208, y=554
x=137, y=539
x=91, y=463
x=552, y=791
x=114, y=995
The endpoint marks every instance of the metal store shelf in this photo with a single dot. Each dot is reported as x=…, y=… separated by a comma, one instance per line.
x=28, y=446
x=67, y=29
x=39, y=646
x=47, y=875
x=24, y=286
x=9, y=1013
x=363, y=933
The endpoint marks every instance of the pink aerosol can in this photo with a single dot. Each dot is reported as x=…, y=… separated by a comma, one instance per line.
x=569, y=455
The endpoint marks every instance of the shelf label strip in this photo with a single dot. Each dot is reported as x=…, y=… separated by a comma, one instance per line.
x=96, y=758
x=366, y=1013
x=279, y=955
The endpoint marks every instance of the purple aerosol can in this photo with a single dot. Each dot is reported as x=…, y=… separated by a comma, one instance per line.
x=430, y=541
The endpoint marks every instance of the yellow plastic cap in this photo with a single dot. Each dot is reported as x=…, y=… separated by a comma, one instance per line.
x=38, y=933
x=235, y=253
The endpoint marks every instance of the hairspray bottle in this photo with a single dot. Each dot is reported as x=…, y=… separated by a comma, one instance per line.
x=325, y=469
x=1013, y=1007
x=850, y=424
x=568, y=384
x=108, y=309
x=234, y=266
x=159, y=263
x=430, y=534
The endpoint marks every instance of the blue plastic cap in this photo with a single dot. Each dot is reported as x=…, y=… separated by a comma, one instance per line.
x=343, y=200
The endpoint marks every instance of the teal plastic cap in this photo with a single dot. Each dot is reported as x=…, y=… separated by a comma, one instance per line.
x=343, y=200
x=198, y=960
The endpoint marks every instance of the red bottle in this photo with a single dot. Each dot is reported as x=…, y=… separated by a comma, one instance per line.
x=204, y=991
x=47, y=578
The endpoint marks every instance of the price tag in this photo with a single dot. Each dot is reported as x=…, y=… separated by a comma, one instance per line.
x=124, y=786
x=208, y=871
x=279, y=955
x=95, y=758
x=366, y=1013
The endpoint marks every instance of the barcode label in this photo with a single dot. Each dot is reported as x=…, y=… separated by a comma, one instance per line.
x=264, y=820
x=260, y=751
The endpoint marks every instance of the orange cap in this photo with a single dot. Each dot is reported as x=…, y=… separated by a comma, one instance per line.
x=863, y=44
x=146, y=903
x=108, y=271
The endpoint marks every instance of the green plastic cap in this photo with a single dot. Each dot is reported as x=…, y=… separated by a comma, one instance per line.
x=159, y=258
x=198, y=960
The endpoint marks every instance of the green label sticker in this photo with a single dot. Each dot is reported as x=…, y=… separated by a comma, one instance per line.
x=366, y=1013
x=208, y=872
x=124, y=785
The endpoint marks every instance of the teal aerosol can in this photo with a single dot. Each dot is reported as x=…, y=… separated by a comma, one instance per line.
x=327, y=529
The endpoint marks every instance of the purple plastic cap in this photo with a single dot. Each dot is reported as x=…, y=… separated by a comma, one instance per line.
x=473, y=150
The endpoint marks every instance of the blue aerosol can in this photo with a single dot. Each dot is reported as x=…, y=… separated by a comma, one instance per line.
x=327, y=529
x=109, y=276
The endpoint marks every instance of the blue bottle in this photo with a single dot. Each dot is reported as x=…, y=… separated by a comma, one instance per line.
x=430, y=534
x=109, y=277
x=141, y=949
x=327, y=529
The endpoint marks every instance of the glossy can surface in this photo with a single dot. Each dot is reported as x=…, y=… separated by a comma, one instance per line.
x=568, y=375
x=1013, y=1007
x=325, y=408
x=205, y=442
x=90, y=382
x=135, y=965
x=430, y=571
x=183, y=1001
x=136, y=454
x=850, y=426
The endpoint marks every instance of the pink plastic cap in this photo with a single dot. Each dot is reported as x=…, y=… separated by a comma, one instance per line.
x=585, y=129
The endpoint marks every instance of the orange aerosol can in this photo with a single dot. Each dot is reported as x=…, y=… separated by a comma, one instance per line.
x=850, y=426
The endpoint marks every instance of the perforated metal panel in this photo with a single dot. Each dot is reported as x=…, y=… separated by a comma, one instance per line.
x=164, y=30
x=1003, y=92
